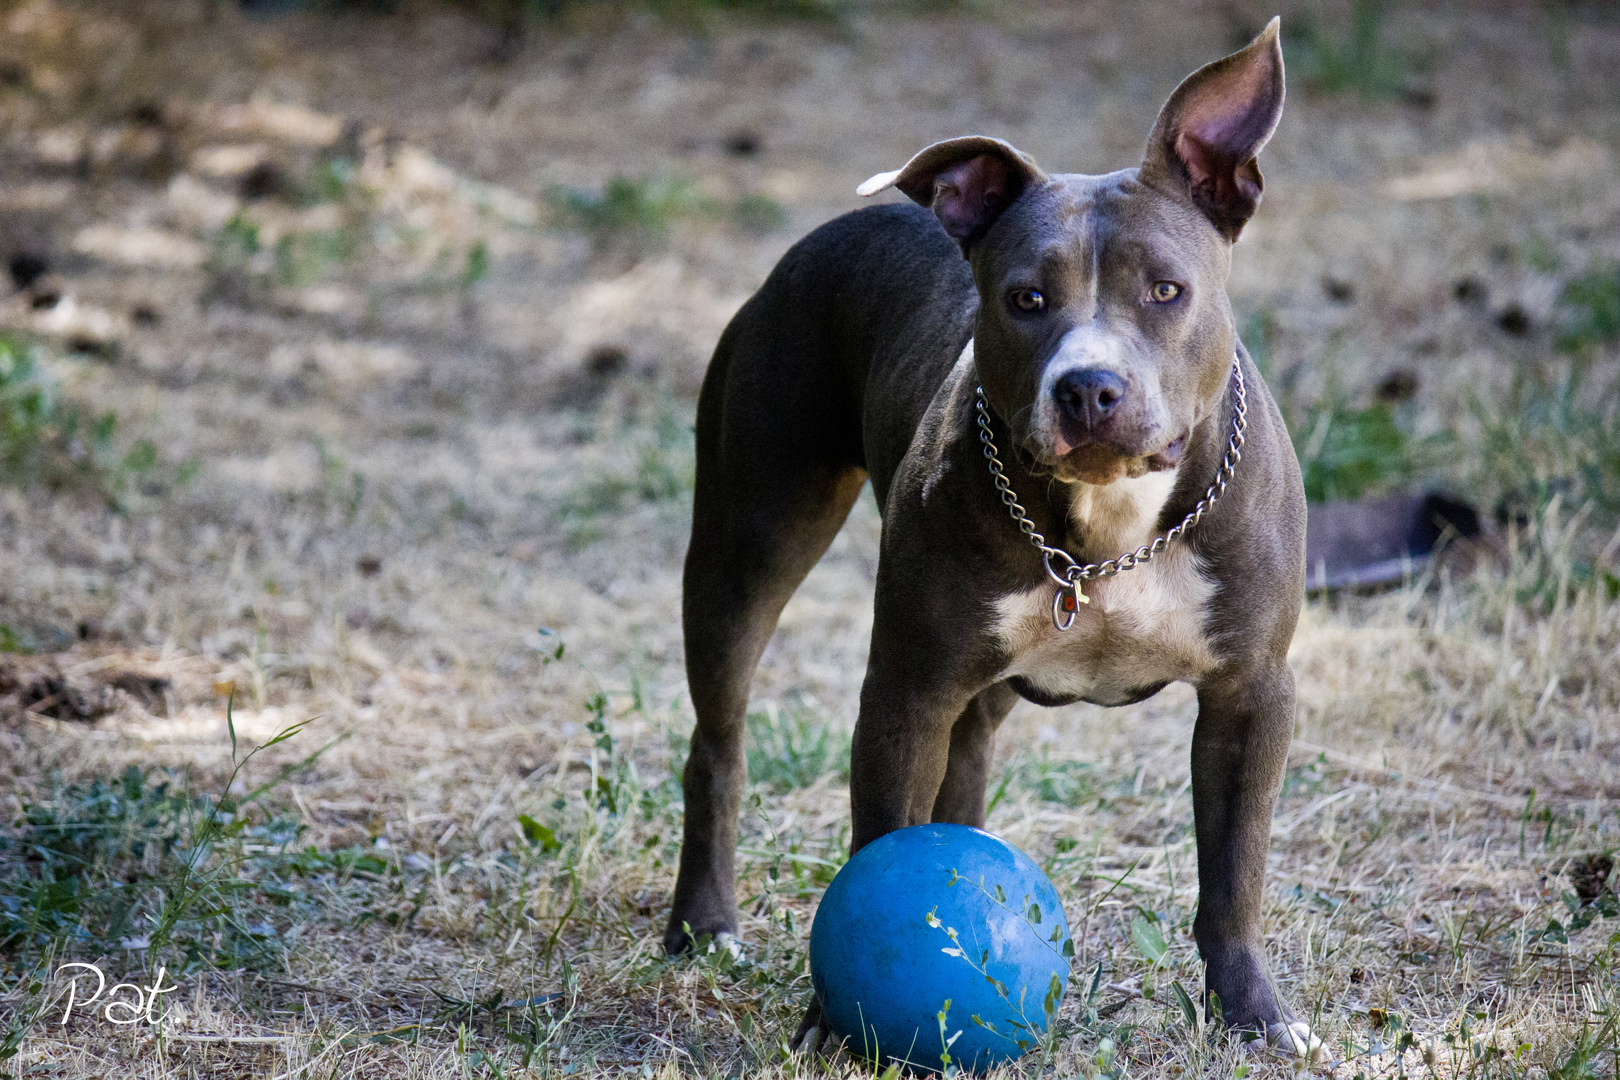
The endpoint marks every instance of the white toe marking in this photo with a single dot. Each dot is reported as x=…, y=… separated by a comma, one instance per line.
x=728, y=943
x=1295, y=1040
x=810, y=1044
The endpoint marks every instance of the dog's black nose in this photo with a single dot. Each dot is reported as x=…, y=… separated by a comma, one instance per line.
x=1089, y=395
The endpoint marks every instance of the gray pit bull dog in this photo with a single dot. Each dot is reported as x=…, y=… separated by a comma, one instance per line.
x=1082, y=358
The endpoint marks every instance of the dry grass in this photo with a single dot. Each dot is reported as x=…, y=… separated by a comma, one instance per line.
x=423, y=463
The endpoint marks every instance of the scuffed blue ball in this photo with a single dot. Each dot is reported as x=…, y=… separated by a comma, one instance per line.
x=936, y=941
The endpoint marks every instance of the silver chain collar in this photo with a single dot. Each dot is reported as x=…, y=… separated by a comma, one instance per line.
x=1060, y=565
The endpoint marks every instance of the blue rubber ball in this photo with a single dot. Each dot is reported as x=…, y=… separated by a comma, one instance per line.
x=940, y=945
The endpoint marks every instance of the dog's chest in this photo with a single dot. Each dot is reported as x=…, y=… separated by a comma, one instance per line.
x=1142, y=629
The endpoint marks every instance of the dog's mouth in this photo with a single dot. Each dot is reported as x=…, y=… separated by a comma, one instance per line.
x=1100, y=463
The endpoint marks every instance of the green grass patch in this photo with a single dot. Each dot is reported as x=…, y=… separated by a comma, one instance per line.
x=1055, y=780
x=50, y=441
x=244, y=264
x=335, y=179
x=656, y=464
x=637, y=213
x=143, y=864
x=13, y=642
x=759, y=214
x=626, y=210
x=1350, y=453
x=1345, y=451
x=87, y=870
x=308, y=258
x=1589, y=309
x=792, y=747
x=1555, y=433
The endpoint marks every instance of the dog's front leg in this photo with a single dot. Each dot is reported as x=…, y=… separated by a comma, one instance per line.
x=1240, y=747
x=901, y=747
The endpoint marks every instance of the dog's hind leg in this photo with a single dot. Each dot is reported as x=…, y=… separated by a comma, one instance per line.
x=773, y=488
x=973, y=743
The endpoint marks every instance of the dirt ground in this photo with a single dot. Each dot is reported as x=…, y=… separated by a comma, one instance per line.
x=418, y=404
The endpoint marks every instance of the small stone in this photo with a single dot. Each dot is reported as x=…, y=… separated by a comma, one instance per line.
x=1337, y=290
x=607, y=359
x=1514, y=320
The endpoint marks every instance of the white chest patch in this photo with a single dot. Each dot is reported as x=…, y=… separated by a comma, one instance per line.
x=1142, y=628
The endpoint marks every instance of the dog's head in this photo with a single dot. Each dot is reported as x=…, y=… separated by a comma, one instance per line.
x=1104, y=330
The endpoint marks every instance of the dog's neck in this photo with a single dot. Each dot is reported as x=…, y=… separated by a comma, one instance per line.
x=1105, y=520
x=1110, y=519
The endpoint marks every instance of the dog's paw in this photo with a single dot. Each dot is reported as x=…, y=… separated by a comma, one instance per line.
x=725, y=944
x=815, y=1037
x=682, y=940
x=1292, y=1039
x=808, y=1041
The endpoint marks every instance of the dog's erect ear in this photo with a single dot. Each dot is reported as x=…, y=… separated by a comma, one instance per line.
x=1214, y=125
x=967, y=182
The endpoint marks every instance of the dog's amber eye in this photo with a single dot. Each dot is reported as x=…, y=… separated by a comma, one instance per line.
x=1162, y=292
x=1028, y=300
